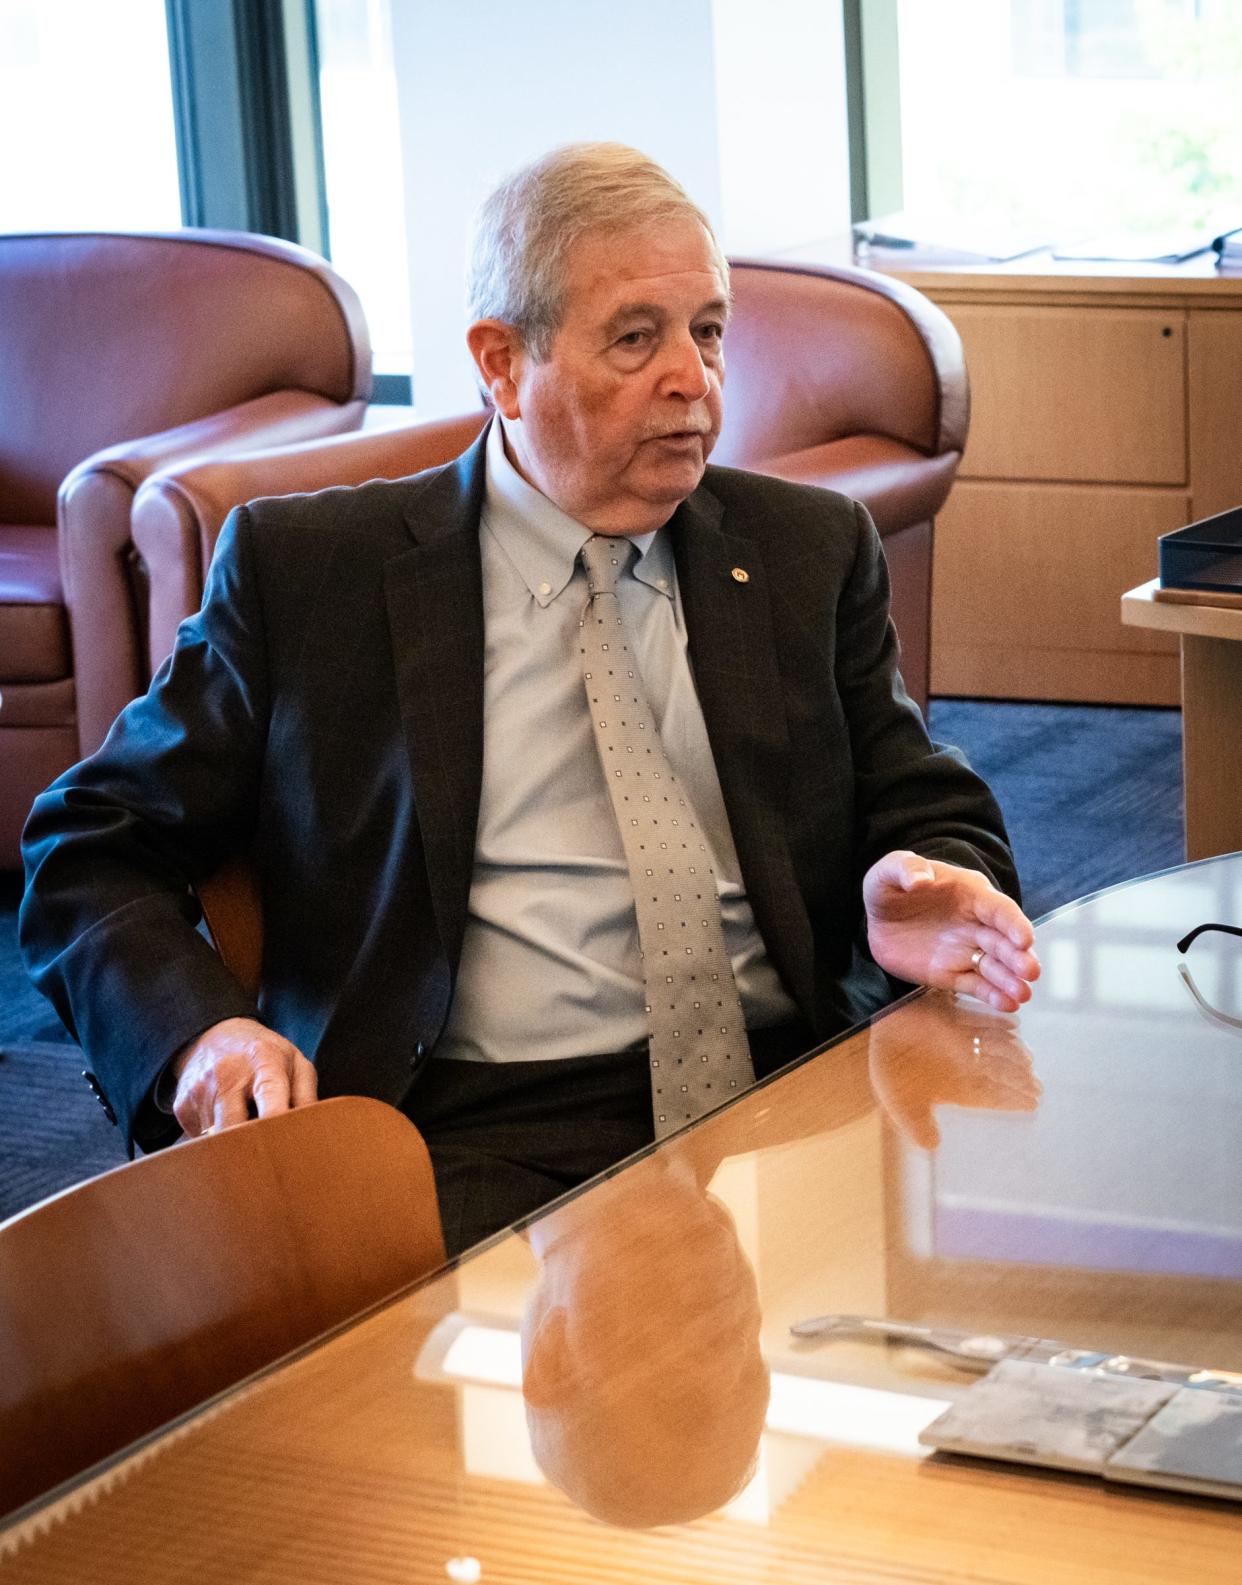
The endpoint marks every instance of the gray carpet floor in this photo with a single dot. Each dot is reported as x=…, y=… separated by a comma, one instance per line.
x=1092, y=796
x=52, y=1130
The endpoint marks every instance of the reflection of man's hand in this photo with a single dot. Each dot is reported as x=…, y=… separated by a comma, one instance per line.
x=939, y=1050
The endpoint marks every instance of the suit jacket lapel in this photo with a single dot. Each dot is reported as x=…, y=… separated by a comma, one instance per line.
x=733, y=654
x=435, y=618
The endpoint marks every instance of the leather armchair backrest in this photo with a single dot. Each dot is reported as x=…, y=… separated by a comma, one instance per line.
x=817, y=353
x=106, y=337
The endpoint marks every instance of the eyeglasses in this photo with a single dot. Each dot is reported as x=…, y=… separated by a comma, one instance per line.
x=1213, y=1014
x=1184, y=944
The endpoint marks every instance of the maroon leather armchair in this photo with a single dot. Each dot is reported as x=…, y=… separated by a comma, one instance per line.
x=835, y=377
x=851, y=380
x=121, y=354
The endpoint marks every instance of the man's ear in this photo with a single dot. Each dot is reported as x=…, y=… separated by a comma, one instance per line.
x=498, y=353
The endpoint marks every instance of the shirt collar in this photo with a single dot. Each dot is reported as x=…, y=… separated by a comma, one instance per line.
x=543, y=542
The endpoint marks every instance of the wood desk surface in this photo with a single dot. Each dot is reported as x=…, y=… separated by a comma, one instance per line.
x=1141, y=608
x=1074, y=1173
x=1039, y=276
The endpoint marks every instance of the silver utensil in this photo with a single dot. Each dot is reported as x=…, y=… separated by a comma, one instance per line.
x=974, y=1350
x=981, y=1350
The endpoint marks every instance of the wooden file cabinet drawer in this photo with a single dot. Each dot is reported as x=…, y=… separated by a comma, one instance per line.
x=1043, y=621
x=1075, y=394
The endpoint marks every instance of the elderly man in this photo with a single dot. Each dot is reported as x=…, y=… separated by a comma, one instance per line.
x=580, y=778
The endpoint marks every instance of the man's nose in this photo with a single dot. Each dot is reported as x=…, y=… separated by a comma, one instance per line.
x=685, y=374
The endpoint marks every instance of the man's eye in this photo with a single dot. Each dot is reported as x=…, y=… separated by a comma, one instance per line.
x=632, y=338
x=713, y=331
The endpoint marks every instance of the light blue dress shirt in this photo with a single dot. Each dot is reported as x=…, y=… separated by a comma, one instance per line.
x=550, y=964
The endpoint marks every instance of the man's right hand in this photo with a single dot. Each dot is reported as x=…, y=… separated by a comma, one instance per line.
x=236, y=1069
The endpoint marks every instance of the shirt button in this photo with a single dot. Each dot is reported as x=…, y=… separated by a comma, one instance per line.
x=545, y=588
x=662, y=583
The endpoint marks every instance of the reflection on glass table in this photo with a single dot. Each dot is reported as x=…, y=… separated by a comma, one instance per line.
x=614, y=1392
x=1132, y=1163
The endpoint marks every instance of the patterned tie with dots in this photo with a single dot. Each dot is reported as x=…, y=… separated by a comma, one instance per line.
x=699, y=1053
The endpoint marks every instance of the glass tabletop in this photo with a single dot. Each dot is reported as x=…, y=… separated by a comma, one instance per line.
x=624, y=1389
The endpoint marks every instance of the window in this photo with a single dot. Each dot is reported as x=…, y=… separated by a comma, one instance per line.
x=1077, y=117
x=363, y=169
x=86, y=117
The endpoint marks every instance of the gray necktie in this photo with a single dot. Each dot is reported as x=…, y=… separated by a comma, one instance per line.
x=699, y=1053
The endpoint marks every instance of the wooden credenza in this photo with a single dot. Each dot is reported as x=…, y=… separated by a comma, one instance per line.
x=1106, y=409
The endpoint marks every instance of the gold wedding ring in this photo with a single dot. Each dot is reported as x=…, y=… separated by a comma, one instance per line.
x=977, y=957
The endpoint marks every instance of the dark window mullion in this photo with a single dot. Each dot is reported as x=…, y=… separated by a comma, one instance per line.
x=873, y=106
x=855, y=110
x=234, y=112
x=264, y=101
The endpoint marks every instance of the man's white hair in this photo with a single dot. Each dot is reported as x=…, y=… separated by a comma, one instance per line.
x=526, y=228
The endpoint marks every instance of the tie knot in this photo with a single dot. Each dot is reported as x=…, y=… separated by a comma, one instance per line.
x=605, y=557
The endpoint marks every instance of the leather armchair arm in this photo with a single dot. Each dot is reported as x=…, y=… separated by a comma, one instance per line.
x=279, y=418
x=896, y=484
x=941, y=346
x=179, y=512
x=103, y=586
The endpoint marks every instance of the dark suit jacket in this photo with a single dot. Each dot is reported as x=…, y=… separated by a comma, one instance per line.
x=325, y=710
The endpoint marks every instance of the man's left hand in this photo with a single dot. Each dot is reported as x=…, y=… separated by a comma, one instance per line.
x=938, y=924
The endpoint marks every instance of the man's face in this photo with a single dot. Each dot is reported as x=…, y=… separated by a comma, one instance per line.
x=617, y=424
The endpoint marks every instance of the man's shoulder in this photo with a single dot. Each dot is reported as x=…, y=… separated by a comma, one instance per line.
x=743, y=494
x=374, y=506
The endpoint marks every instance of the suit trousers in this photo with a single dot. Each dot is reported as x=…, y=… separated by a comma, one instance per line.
x=505, y=1138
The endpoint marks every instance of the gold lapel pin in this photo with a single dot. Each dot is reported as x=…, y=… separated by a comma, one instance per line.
x=741, y=575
